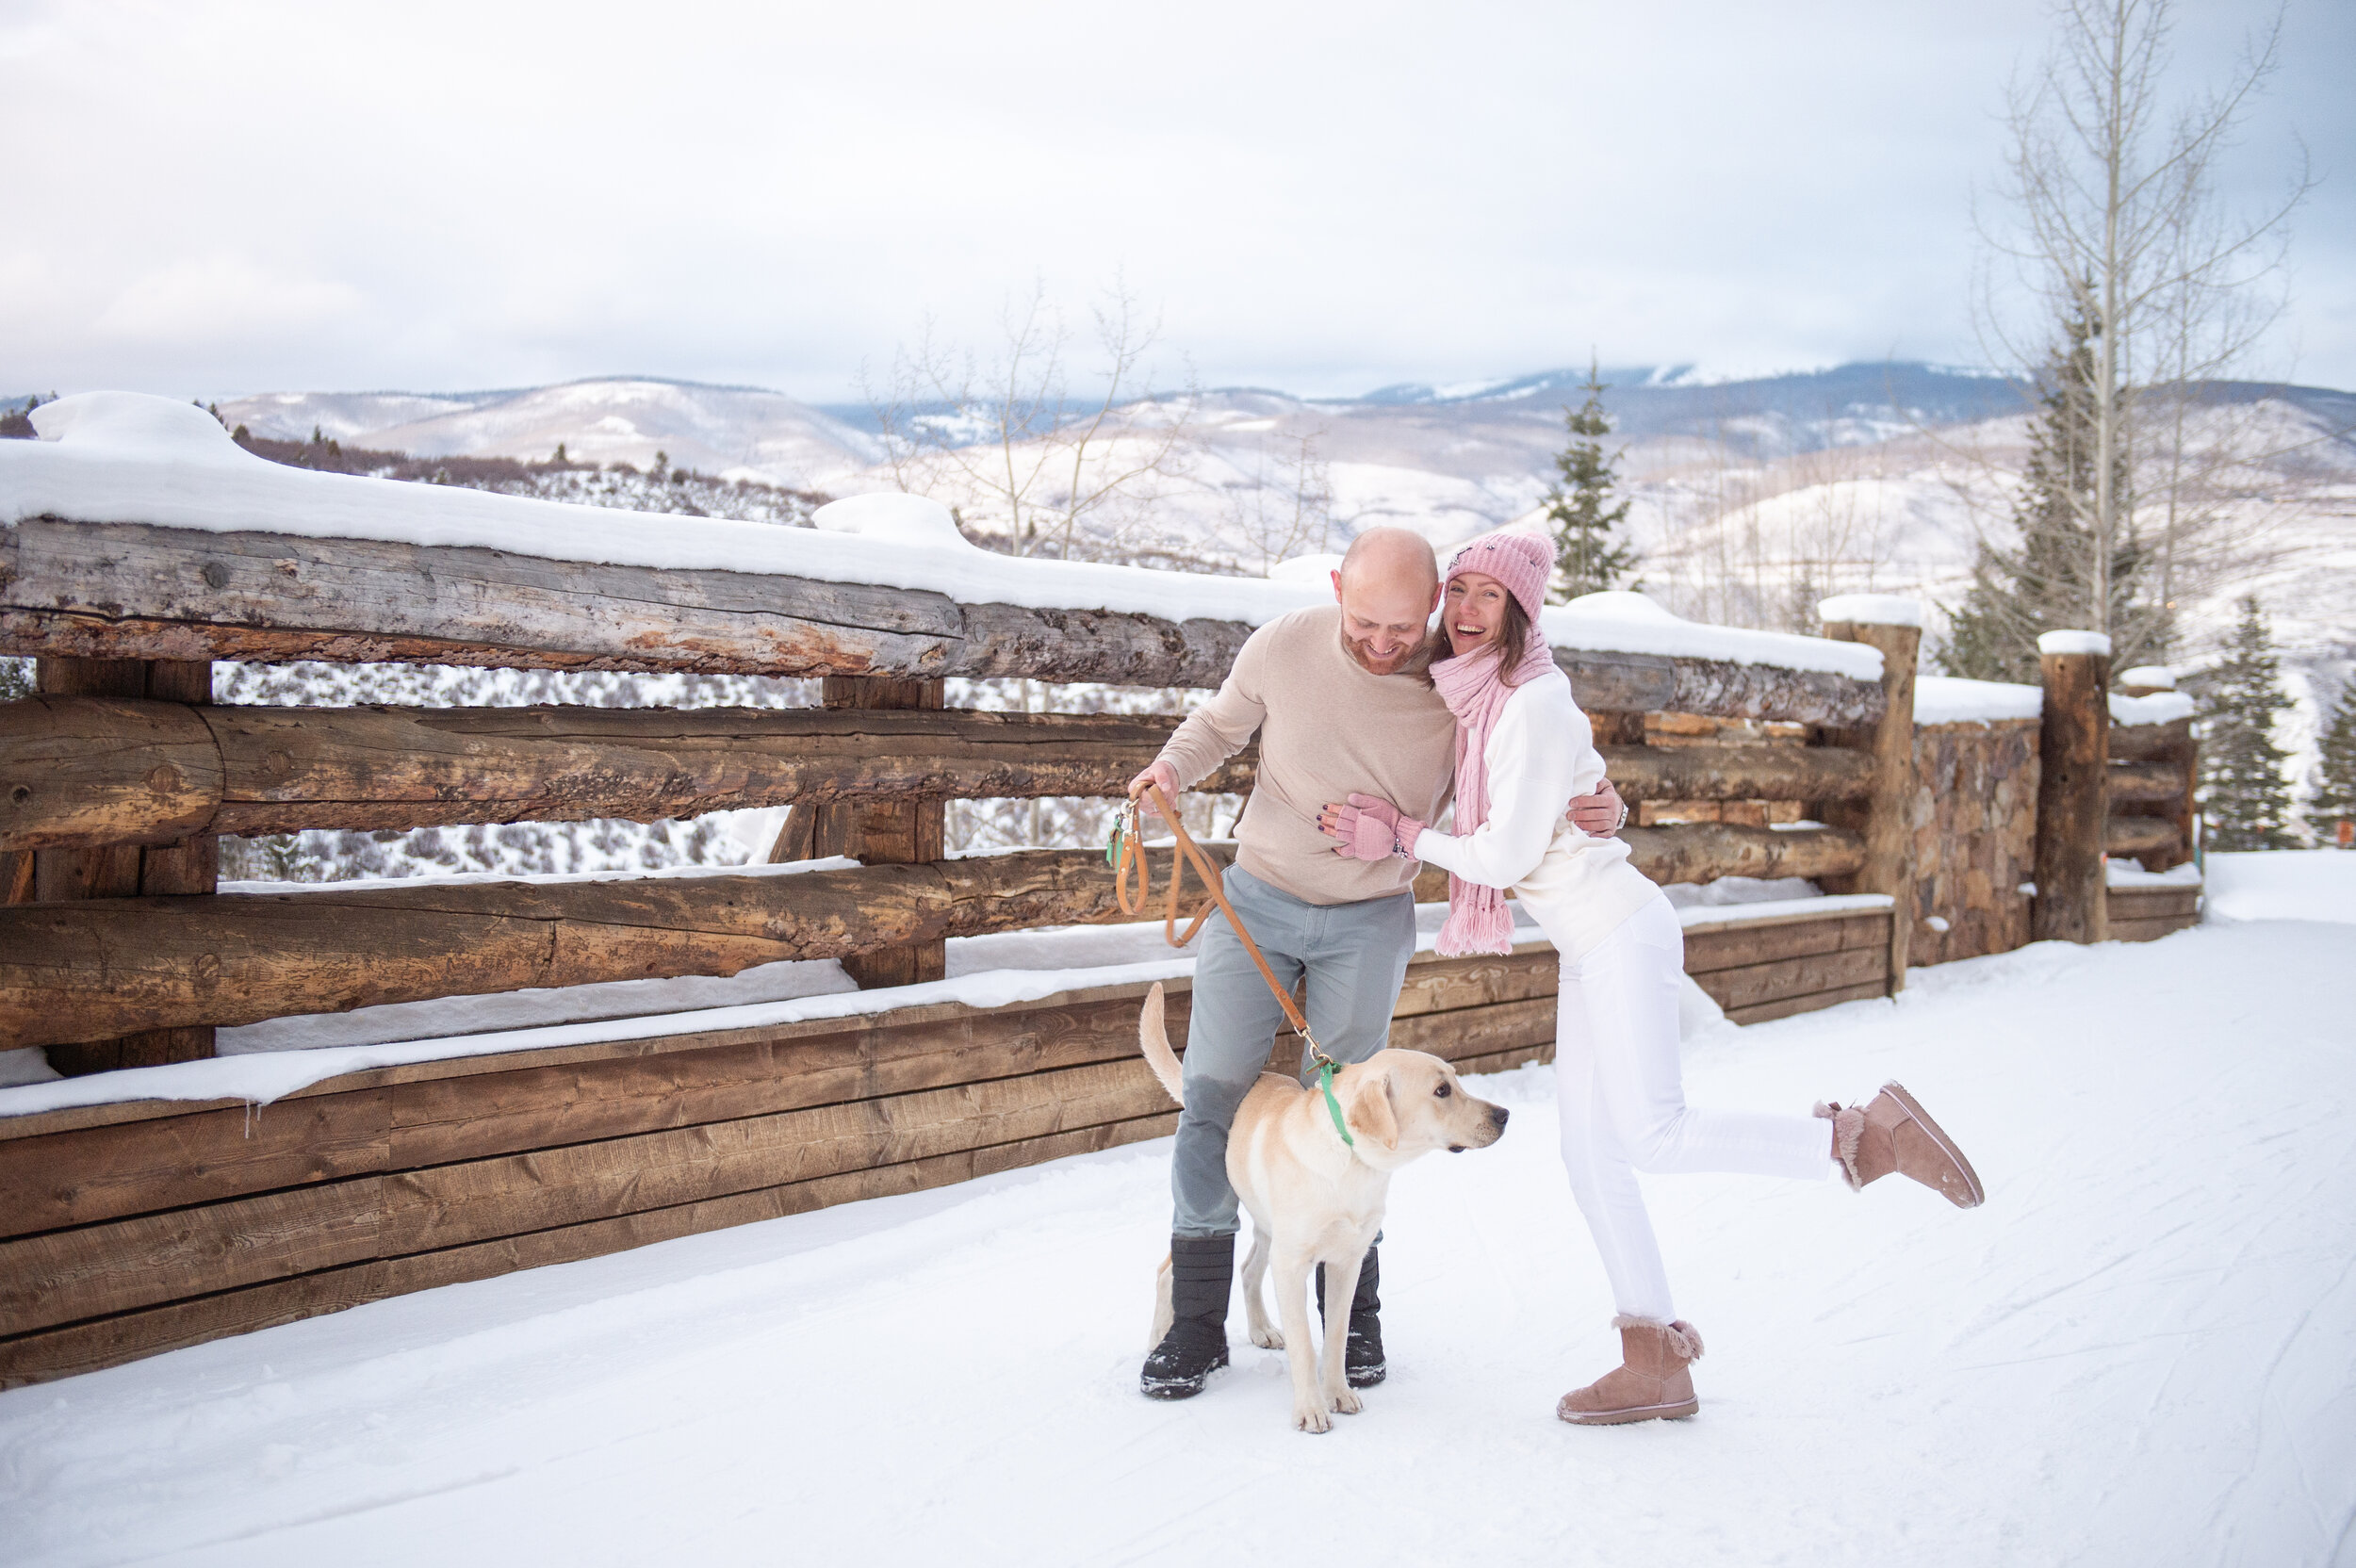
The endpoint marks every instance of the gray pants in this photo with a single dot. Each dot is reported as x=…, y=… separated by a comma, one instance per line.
x=1355, y=956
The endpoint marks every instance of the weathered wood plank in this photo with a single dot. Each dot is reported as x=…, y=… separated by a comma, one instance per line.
x=107, y=1342
x=1737, y=946
x=1505, y=1061
x=2073, y=763
x=2144, y=783
x=1476, y=1031
x=1791, y=1006
x=442, y=1120
x=1705, y=851
x=88, y=771
x=1754, y=983
x=128, y=590
x=2128, y=837
x=207, y=1156
x=1887, y=815
x=1436, y=985
x=1739, y=773
x=63, y=1276
x=510, y=1195
x=133, y=590
x=98, y=969
x=2150, y=743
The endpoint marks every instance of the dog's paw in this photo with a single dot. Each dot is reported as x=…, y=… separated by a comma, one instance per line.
x=1311, y=1416
x=1345, y=1401
x=1267, y=1339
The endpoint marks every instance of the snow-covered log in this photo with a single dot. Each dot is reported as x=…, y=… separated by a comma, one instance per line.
x=96, y=590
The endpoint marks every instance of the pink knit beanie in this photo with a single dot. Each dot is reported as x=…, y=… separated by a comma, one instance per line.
x=1520, y=560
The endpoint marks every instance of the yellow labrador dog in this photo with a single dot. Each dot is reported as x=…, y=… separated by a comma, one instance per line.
x=1317, y=1199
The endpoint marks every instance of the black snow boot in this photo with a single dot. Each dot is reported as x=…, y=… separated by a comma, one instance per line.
x=1202, y=1276
x=1362, y=1356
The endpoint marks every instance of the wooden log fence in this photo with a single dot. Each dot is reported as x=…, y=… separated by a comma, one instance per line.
x=129, y=1228
x=90, y=771
x=122, y=591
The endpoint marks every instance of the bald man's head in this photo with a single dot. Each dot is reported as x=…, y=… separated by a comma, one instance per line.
x=1387, y=587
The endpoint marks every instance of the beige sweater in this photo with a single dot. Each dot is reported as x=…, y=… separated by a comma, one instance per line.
x=1327, y=728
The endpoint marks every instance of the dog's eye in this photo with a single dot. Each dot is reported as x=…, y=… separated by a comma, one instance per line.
x=1441, y=1093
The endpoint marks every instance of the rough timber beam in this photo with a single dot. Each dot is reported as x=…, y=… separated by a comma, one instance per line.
x=134, y=591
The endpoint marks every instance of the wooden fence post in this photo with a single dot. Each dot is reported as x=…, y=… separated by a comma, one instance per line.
x=882, y=832
x=1895, y=626
x=2072, y=796
x=126, y=871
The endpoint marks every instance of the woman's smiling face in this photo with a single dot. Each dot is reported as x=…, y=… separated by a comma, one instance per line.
x=1473, y=612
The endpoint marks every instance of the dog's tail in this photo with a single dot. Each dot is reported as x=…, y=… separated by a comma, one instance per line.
x=1154, y=1040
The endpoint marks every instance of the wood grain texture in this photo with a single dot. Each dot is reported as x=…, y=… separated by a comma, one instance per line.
x=82, y=771
x=1739, y=773
x=2131, y=837
x=1890, y=804
x=2144, y=783
x=1792, y=1006
x=474, y=1173
x=1705, y=851
x=2072, y=804
x=128, y=590
x=45, y=1355
x=1749, y=985
x=136, y=862
x=133, y=590
x=98, y=968
x=1740, y=946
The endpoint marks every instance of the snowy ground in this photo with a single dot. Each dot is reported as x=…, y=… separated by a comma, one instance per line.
x=2142, y=1350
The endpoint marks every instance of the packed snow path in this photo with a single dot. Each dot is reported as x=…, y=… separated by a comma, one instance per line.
x=2142, y=1350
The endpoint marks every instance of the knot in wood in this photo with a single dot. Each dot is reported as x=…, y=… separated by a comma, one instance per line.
x=163, y=779
x=215, y=575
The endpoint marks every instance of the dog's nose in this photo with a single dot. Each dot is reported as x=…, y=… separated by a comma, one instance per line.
x=1498, y=1116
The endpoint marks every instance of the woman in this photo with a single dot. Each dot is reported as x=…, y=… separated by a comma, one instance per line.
x=1523, y=748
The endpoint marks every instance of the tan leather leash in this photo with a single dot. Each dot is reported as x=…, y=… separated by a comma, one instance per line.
x=1128, y=849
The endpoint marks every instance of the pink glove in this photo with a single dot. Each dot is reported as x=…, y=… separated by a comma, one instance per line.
x=1372, y=829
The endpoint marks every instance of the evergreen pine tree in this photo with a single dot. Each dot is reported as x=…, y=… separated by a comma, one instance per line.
x=2243, y=796
x=1579, y=510
x=2335, y=799
x=2046, y=583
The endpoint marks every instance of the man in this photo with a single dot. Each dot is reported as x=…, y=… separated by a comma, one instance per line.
x=1341, y=701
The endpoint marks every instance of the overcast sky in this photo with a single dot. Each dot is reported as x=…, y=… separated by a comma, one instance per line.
x=207, y=198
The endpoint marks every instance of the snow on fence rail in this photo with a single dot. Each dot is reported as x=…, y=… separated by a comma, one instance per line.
x=137, y=544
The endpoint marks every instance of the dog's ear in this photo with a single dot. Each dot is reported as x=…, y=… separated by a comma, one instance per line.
x=1372, y=1113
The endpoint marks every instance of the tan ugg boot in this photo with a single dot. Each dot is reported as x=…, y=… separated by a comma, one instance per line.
x=1650, y=1383
x=1894, y=1133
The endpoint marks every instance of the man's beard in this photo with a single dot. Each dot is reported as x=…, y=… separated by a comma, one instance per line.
x=1413, y=661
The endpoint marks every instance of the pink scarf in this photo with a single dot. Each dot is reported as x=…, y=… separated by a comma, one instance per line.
x=1474, y=691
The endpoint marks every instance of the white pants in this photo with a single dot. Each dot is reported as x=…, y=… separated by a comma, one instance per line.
x=1623, y=1102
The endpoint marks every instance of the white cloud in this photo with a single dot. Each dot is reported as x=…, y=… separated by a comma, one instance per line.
x=220, y=301
x=1324, y=196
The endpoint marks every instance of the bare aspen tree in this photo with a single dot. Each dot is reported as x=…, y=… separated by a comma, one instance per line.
x=1009, y=443
x=1287, y=506
x=2109, y=216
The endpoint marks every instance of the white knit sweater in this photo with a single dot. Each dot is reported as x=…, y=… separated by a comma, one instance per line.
x=1541, y=754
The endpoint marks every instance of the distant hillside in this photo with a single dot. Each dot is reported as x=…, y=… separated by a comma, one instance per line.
x=728, y=432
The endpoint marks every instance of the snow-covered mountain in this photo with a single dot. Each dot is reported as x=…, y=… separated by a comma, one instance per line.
x=1751, y=497
x=731, y=431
